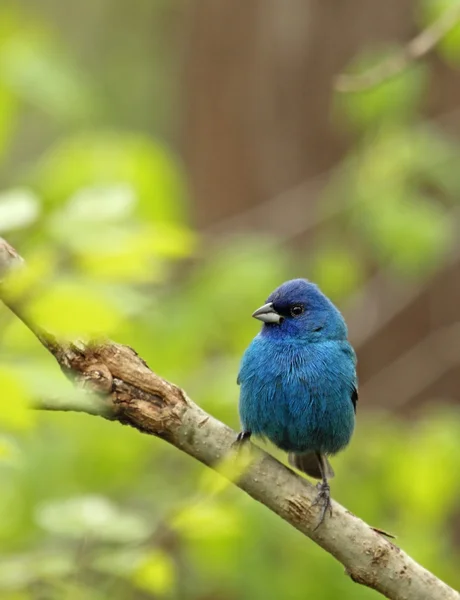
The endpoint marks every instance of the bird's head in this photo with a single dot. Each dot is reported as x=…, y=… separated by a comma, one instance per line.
x=299, y=309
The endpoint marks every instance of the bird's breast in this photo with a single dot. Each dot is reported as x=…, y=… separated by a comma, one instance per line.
x=298, y=396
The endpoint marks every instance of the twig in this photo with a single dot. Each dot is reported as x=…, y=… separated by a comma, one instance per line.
x=85, y=403
x=417, y=48
x=11, y=261
x=132, y=394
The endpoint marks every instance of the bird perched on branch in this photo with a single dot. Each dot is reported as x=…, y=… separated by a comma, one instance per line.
x=298, y=381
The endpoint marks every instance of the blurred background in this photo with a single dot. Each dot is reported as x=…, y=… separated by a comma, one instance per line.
x=163, y=166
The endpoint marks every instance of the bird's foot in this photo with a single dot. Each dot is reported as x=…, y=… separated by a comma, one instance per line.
x=241, y=438
x=323, y=498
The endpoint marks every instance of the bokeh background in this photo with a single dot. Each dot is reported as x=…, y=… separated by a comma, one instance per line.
x=163, y=166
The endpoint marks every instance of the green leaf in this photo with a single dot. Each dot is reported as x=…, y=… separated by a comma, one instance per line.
x=336, y=269
x=121, y=252
x=100, y=203
x=110, y=160
x=19, y=208
x=33, y=65
x=449, y=45
x=412, y=233
x=71, y=308
x=208, y=520
x=155, y=573
x=229, y=470
x=121, y=563
x=9, y=451
x=430, y=444
x=21, y=571
x=8, y=117
x=94, y=517
x=14, y=403
x=392, y=100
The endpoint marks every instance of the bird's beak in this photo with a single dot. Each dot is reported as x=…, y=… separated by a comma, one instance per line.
x=267, y=314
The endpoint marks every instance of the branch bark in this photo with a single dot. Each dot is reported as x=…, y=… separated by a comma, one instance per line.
x=416, y=49
x=126, y=390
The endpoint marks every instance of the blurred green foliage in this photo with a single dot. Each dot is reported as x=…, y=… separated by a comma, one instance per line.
x=449, y=46
x=92, y=509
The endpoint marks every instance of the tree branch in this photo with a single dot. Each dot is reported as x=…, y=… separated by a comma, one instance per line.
x=89, y=404
x=128, y=391
x=416, y=49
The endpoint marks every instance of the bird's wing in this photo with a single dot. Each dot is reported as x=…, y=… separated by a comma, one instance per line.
x=348, y=351
x=354, y=397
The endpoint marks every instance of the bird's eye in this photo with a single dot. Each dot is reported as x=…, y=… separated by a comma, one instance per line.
x=296, y=310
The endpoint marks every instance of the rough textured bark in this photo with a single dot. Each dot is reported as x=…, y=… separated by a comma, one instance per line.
x=132, y=394
x=123, y=388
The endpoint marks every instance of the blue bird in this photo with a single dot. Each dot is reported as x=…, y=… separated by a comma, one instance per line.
x=298, y=381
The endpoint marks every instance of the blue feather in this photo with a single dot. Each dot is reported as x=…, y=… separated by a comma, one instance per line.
x=298, y=376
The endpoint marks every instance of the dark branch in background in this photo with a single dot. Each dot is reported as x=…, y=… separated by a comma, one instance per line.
x=415, y=50
x=123, y=388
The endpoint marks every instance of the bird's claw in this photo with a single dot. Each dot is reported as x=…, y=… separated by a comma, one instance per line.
x=323, y=498
x=241, y=438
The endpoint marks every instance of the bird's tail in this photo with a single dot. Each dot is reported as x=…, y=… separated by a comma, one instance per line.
x=308, y=463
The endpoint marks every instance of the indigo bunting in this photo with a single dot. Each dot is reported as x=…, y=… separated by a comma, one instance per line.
x=298, y=381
